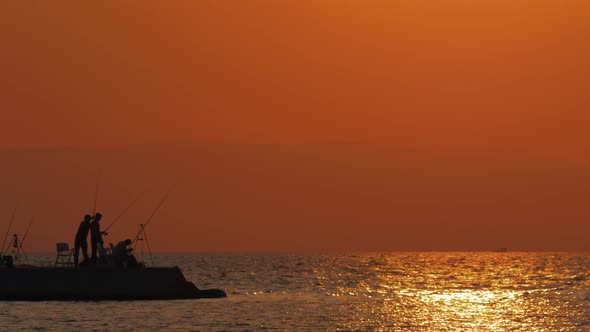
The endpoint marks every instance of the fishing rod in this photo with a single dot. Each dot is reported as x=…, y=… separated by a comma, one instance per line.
x=124, y=211
x=142, y=235
x=143, y=238
x=20, y=244
x=153, y=214
x=7, y=232
x=27, y=231
x=96, y=194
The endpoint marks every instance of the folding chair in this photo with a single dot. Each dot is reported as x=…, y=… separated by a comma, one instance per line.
x=64, y=254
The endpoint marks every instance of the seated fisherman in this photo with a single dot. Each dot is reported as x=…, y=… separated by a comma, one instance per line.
x=122, y=254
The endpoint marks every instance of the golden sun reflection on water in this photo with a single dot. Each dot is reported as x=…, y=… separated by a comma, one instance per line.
x=478, y=308
x=458, y=309
x=464, y=292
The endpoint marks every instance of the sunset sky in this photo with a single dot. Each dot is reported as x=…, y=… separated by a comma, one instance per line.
x=300, y=125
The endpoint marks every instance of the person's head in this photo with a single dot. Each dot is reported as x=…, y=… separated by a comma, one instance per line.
x=97, y=216
x=87, y=218
x=128, y=241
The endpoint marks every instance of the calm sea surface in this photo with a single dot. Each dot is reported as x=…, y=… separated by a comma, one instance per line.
x=348, y=292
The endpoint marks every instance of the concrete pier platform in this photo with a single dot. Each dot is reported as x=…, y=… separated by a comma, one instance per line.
x=98, y=283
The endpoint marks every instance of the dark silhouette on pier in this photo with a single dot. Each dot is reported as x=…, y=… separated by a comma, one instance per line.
x=95, y=236
x=81, y=241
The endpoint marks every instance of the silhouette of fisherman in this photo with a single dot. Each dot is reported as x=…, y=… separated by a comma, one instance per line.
x=96, y=235
x=81, y=241
x=121, y=248
x=122, y=254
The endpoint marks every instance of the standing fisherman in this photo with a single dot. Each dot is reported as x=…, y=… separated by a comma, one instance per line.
x=81, y=241
x=95, y=235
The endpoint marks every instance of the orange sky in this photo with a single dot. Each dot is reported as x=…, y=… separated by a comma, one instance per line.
x=302, y=125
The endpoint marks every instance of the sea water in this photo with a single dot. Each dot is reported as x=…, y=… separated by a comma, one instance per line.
x=457, y=291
